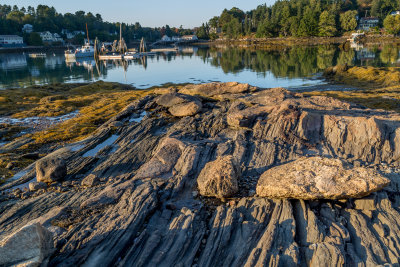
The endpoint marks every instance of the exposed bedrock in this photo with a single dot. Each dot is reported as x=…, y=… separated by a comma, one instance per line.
x=131, y=196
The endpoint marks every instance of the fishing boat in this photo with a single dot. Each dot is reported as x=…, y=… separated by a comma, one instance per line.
x=86, y=50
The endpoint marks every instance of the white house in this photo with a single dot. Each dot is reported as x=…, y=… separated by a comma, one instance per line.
x=176, y=39
x=71, y=35
x=28, y=28
x=166, y=38
x=189, y=38
x=11, y=40
x=50, y=37
x=368, y=23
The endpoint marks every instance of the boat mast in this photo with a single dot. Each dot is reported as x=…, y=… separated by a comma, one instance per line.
x=87, y=32
x=120, y=38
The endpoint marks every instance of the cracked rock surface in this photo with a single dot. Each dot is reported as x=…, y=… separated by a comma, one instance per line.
x=145, y=210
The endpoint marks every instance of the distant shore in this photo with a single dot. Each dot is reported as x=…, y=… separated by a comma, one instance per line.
x=32, y=49
x=292, y=41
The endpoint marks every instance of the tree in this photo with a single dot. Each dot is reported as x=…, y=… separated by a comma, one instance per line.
x=348, y=20
x=34, y=39
x=308, y=24
x=327, y=24
x=392, y=24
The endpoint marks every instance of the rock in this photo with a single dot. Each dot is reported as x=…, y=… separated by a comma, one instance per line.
x=90, y=180
x=29, y=246
x=10, y=166
x=34, y=186
x=186, y=109
x=180, y=105
x=50, y=170
x=319, y=178
x=213, y=89
x=219, y=178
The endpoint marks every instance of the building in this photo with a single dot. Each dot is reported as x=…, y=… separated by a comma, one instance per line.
x=368, y=23
x=28, y=28
x=11, y=41
x=166, y=38
x=71, y=35
x=395, y=13
x=48, y=37
x=189, y=38
x=176, y=39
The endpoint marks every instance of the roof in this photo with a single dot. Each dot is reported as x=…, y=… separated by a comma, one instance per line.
x=370, y=18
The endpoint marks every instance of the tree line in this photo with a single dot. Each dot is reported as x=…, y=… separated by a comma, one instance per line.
x=45, y=18
x=300, y=18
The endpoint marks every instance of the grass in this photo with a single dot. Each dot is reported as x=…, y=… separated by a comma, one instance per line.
x=379, y=88
x=96, y=103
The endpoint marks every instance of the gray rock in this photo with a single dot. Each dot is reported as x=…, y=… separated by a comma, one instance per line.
x=185, y=109
x=219, y=178
x=319, y=178
x=90, y=180
x=34, y=186
x=50, y=170
x=29, y=246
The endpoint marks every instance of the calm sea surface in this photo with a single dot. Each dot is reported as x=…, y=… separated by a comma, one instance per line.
x=291, y=68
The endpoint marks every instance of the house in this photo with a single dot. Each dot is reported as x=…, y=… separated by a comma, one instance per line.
x=216, y=30
x=189, y=38
x=395, y=13
x=71, y=35
x=49, y=37
x=166, y=38
x=368, y=23
x=176, y=39
x=28, y=28
x=11, y=41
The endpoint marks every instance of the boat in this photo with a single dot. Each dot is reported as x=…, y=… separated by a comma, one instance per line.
x=86, y=50
x=37, y=55
x=131, y=55
x=111, y=56
x=118, y=50
x=69, y=55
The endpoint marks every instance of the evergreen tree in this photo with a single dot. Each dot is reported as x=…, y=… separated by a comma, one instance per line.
x=348, y=21
x=392, y=24
x=327, y=24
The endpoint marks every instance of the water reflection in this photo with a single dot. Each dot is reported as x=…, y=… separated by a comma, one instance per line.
x=288, y=67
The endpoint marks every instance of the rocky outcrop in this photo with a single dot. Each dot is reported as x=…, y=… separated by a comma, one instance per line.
x=29, y=246
x=319, y=178
x=50, y=170
x=146, y=210
x=180, y=105
x=219, y=178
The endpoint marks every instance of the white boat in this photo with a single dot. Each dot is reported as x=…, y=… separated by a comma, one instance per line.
x=85, y=51
x=69, y=55
x=131, y=55
x=112, y=56
x=36, y=55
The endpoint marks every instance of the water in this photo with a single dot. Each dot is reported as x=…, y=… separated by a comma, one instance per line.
x=291, y=67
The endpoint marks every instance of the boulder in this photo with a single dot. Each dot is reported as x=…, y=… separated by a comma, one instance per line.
x=319, y=178
x=219, y=178
x=213, y=89
x=34, y=186
x=186, y=109
x=90, y=180
x=180, y=105
x=29, y=246
x=50, y=170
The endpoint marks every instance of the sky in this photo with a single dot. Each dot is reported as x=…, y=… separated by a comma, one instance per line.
x=150, y=13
